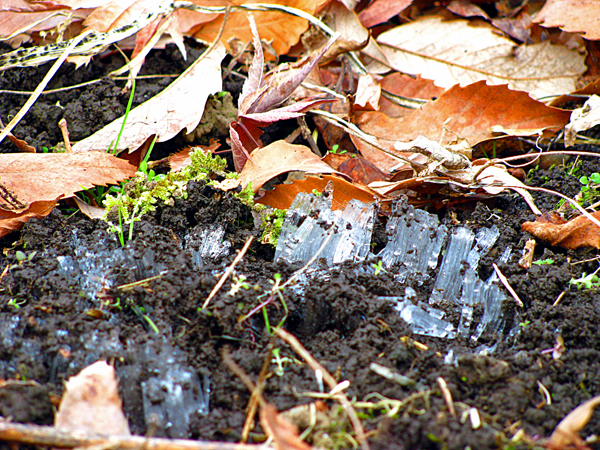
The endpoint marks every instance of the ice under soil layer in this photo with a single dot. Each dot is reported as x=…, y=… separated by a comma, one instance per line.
x=416, y=239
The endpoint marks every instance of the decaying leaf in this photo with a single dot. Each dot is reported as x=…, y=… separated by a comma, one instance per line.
x=380, y=11
x=473, y=110
x=582, y=119
x=455, y=51
x=278, y=158
x=578, y=16
x=577, y=232
x=283, y=433
x=48, y=176
x=179, y=106
x=567, y=431
x=343, y=191
x=91, y=403
x=11, y=221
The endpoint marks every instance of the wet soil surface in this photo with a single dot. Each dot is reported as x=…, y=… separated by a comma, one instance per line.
x=66, y=304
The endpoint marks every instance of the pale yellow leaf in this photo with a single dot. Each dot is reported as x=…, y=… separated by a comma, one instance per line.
x=582, y=119
x=91, y=403
x=456, y=52
x=179, y=106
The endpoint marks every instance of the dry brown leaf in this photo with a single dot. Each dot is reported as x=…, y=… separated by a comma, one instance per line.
x=91, y=403
x=93, y=212
x=277, y=158
x=472, y=110
x=281, y=29
x=457, y=52
x=283, y=433
x=577, y=16
x=355, y=166
x=48, y=176
x=405, y=86
x=11, y=221
x=353, y=35
x=577, y=232
x=567, y=431
x=380, y=11
x=179, y=106
x=343, y=191
x=20, y=16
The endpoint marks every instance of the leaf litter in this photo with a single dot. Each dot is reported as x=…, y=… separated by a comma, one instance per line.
x=349, y=304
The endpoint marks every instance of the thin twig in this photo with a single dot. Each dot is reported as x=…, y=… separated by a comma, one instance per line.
x=50, y=436
x=331, y=382
x=504, y=281
x=229, y=271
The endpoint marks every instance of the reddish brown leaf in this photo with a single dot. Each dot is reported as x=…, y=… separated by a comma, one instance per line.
x=577, y=232
x=278, y=158
x=381, y=10
x=11, y=221
x=343, y=191
x=48, y=176
x=361, y=170
x=405, y=86
x=472, y=110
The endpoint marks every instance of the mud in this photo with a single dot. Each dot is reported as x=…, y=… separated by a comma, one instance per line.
x=54, y=321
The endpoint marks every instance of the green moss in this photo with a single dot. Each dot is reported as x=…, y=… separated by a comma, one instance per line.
x=140, y=195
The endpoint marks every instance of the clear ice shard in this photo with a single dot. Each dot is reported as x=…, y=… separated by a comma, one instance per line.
x=172, y=393
x=310, y=222
x=415, y=239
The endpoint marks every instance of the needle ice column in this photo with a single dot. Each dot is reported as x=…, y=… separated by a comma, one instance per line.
x=415, y=239
x=310, y=222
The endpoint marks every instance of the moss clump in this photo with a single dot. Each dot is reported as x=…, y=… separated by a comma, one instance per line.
x=141, y=194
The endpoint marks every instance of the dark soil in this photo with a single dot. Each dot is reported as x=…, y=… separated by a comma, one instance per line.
x=55, y=320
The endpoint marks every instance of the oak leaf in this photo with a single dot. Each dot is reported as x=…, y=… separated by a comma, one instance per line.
x=456, y=52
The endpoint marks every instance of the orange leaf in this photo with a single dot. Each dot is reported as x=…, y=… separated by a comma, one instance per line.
x=577, y=232
x=282, y=29
x=48, y=176
x=343, y=191
x=381, y=10
x=277, y=158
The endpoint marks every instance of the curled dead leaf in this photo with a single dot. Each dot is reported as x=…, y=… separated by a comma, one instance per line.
x=567, y=431
x=575, y=233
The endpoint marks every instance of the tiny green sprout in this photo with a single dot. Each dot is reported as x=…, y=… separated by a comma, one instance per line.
x=378, y=268
x=590, y=281
x=543, y=262
x=238, y=283
x=15, y=304
x=317, y=193
x=524, y=324
x=336, y=150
